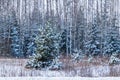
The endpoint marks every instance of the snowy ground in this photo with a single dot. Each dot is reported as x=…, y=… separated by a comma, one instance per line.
x=15, y=68
x=60, y=78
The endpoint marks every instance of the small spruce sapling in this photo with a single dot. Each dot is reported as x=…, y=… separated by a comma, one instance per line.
x=47, y=42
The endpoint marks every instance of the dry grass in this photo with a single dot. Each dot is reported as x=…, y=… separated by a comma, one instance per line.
x=16, y=67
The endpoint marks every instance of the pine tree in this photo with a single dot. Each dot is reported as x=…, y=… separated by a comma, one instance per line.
x=47, y=51
x=25, y=44
x=93, y=45
x=29, y=46
x=16, y=49
x=80, y=29
x=113, y=42
x=15, y=41
x=63, y=43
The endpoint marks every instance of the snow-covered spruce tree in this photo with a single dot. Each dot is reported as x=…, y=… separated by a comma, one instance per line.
x=63, y=43
x=105, y=24
x=15, y=47
x=47, y=51
x=79, y=41
x=112, y=44
x=29, y=47
x=93, y=44
x=25, y=44
x=16, y=50
x=80, y=30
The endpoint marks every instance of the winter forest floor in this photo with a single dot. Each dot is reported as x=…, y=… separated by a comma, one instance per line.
x=98, y=68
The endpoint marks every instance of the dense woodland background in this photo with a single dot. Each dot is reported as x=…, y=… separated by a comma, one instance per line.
x=86, y=24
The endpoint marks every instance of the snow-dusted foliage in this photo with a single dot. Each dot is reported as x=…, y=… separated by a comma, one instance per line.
x=77, y=55
x=29, y=47
x=64, y=43
x=93, y=44
x=16, y=48
x=112, y=44
x=56, y=64
x=80, y=30
x=47, y=41
x=15, y=45
x=114, y=59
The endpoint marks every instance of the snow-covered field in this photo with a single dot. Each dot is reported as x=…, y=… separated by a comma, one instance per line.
x=60, y=78
x=16, y=68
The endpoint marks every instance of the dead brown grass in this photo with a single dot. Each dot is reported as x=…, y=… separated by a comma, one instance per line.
x=98, y=67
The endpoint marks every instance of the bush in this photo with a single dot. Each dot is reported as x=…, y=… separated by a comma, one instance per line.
x=114, y=59
x=77, y=55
